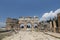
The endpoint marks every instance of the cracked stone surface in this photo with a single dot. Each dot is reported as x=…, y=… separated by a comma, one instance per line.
x=27, y=35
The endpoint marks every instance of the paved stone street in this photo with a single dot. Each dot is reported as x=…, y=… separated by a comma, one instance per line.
x=27, y=35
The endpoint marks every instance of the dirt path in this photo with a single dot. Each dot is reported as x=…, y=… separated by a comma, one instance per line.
x=27, y=35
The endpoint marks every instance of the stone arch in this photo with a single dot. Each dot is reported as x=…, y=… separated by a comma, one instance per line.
x=29, y=24
x=35, y=25
x=21, y=25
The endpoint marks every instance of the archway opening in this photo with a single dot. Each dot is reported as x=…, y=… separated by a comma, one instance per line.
x=35, y=25
x=12, y=27
x=21, y=25
x=28, y=25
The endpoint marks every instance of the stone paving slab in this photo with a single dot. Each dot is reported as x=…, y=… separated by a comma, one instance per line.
x=57, y=35
x=27, y=35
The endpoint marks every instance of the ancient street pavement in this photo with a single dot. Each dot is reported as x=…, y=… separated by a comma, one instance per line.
x=27, y=35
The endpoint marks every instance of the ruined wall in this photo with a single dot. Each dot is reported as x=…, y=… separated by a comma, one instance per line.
x=58, y=16
x=11, y=23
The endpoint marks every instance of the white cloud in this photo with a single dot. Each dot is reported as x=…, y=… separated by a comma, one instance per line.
x=45, y=15
x=48, y=15
x=2, y=24
x=56, y=12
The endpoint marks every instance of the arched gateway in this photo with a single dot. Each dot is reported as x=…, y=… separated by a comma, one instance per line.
x=29, y=22
x=23, y=23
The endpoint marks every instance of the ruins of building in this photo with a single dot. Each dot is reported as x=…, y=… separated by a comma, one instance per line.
x=22, y=23
x=33, y=23
x=58, y=18
x=12, y=23
x=28, y=22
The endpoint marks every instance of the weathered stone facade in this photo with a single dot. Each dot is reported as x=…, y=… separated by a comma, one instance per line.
x=12, y=23
x=58, y=17
x=31, y=20
x=53, y=25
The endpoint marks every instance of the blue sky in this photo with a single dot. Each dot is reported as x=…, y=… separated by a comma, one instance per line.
x=17, y=8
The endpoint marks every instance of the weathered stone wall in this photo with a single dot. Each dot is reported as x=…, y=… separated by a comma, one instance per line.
x=26, y=20
x=12, y=23
x=58, y=22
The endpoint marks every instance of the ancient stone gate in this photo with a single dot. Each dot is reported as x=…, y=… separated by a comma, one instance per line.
x=22, y=23
x=32, y=21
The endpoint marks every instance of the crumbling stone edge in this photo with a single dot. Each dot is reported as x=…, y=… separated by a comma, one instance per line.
x=51, y=35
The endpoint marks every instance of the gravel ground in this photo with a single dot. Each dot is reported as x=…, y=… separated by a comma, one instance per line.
x=28, y=35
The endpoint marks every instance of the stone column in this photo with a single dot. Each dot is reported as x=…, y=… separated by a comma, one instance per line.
x=59, y=29
x=58, y=22
x=46, y=29
x=18, y=27
x=38, y=27
x=32, y=27
x=25, y=27
x=51, y=26
x=54, y=23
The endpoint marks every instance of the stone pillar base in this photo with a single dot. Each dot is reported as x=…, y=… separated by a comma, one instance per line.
x=59, y=29
x=54, y=29
x=32, y=29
